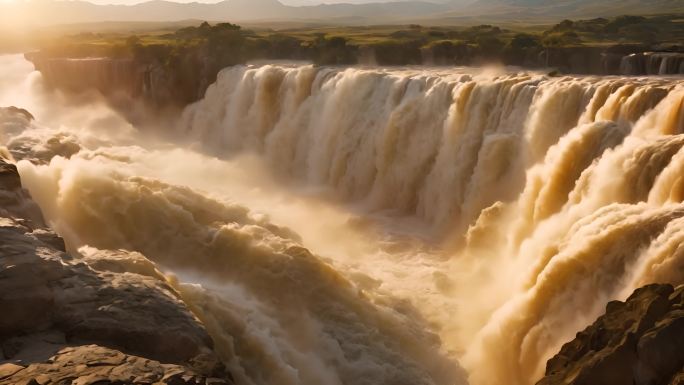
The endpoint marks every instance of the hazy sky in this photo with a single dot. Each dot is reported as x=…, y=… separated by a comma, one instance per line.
x=288, y=2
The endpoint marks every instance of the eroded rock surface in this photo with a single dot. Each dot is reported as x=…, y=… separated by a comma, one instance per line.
x=637, y=342
x=92, y=364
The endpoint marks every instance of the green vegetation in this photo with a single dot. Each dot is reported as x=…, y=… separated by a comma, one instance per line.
x=228, y=44
x=176, y=65
x=623, y=29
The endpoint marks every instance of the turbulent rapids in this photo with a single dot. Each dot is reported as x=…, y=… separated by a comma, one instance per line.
x=376, y=226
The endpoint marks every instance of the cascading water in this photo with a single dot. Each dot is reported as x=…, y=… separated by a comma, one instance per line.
x=451, y=215
x=441, y=146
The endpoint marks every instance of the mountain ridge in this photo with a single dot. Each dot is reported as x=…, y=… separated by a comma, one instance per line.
x=58, y=12
x=577, y=8
x=78, y=11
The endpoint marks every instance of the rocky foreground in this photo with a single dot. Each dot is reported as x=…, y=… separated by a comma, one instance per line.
x=637, y=342
x=107, y=317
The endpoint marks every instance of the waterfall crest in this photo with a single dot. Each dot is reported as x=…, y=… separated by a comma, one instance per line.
x=442, y=146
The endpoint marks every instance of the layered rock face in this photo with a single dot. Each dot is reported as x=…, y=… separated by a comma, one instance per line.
x=101, y=317
x=160, y=86
x=144, y=79
x=637, y=342
x=653, y=63
x=105, y=74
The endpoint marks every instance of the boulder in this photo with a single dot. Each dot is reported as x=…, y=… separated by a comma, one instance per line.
x=42, y=288
x=637, y=342
x=20, y=111
x=9, y=176
x=13, y=120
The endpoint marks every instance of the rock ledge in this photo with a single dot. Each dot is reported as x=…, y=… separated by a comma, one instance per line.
x=637, y=342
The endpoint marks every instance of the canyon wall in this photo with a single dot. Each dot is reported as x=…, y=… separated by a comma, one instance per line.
x=157, y=85
x=186, y=82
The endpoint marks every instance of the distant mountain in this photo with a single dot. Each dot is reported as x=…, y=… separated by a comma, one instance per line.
x=299, y=3
x=574, y=8
x=49, y=12
x=58, y=12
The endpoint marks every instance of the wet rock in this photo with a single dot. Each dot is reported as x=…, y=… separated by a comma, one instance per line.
x=41, y=289
x=9, y=176
x=20, y=111
x=41, y=150
x=637, y=342
x=13, y=120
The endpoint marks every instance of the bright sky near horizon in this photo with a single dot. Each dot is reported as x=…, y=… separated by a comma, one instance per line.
x=287, y=2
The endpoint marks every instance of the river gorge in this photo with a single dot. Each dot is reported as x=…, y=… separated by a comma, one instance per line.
x=330, y=225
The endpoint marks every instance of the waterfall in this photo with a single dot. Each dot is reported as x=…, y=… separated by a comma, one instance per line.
x=438, y=146
x=570, y=181
x=652, y=63
x=381, y=226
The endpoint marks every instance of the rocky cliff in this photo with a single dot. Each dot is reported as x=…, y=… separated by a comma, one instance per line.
x=156, y=84
x=101, y=316
x=637, y=342
x=652, y=63
x=105, y=74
